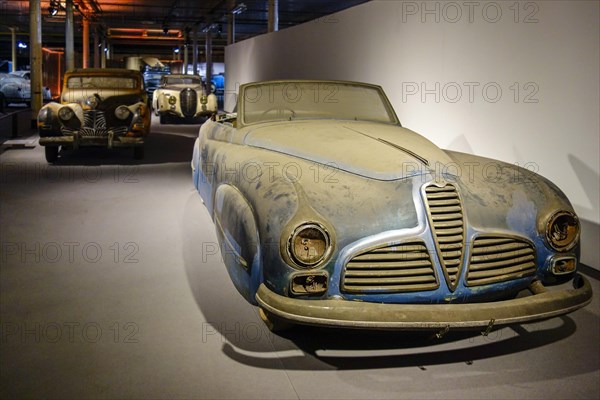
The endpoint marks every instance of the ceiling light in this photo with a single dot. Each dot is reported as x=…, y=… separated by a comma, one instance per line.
x=53, y=8
x=239, y=9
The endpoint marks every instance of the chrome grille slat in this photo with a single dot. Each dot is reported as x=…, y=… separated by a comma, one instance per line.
x=499, y=259
x=501, y=264
x=392, y=257
x=447, y=225
x=392, y=280
x=418, y=272
x=447, y=217
x=390, y=269
x=500, y=256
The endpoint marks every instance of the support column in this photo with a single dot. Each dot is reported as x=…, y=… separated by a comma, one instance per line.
x=195, y=51
x=209, y=65
x=103, y=53
x=231, y=22
x=185, y=59
x=86, y=42
x=230, y=28
x=35, y=55
x=69, y=46
x=273, y=15
x=13, y=36
x=96, y=48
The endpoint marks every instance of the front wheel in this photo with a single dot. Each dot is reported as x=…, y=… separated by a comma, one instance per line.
x=51, y=153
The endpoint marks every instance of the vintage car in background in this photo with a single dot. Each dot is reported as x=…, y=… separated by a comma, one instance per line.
x=106, y=107
x=15, y=88
x=329, y=212
x=183, y=98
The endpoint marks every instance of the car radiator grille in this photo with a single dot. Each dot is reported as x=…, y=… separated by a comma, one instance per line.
x=497, y=259
x=189, y=102
x=95, y=125
x=400, y=268
x=447, y=225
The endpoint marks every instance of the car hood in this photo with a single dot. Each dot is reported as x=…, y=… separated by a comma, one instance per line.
x=373, y=150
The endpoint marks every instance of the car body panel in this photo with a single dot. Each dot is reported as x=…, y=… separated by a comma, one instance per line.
x=376, y=188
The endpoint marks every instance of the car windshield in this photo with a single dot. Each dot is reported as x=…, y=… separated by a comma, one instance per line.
x=277, y=101
x=101, y=82
x=189, y=80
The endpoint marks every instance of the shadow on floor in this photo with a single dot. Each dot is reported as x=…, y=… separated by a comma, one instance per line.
x=160, y=148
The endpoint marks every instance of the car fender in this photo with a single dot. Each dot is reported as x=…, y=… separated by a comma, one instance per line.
x=238, y=240
x=212, y=103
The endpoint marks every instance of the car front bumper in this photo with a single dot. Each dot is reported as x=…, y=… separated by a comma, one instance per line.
x=91, y=141
x=542, y=304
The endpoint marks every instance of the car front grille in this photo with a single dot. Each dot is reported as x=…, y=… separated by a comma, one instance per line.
x=498, y=259
x=399, y=268
x=95, y=125
x=447, y=225
x=189, y=102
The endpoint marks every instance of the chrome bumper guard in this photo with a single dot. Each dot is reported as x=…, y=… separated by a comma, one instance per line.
x=87, y=141
x=542, y=304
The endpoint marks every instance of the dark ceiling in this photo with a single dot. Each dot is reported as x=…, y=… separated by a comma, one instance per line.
x=136, y=27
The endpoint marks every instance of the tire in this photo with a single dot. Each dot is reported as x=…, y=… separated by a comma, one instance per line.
x=162, y=119
x=2, y=101
x=51, y=153
x=138, y=153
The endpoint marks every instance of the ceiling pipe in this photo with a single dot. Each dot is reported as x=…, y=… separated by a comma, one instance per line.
x=35, y=55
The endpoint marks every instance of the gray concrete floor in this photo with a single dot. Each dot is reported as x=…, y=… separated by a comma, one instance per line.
x=111, y=288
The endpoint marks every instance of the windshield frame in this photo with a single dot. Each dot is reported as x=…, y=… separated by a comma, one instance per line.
x=385, y=101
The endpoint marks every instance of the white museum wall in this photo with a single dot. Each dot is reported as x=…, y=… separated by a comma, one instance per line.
x=513, y=81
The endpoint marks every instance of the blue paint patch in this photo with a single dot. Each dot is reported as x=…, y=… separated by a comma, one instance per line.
x=522, y=216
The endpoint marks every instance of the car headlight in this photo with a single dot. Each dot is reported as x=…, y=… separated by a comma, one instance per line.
x=309, y=245
x=65, y=113
x=172, y=100
x=43, y=115
x=203, y=100
x=92, y=102
x=562, y=231
x=122, y=112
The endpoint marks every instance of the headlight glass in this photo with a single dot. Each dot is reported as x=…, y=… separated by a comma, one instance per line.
x=122, y=112
x=172, y=100
x=562, y=231
x=203, y=100
x=65, y=113
x=43, y=115
x=309, y=245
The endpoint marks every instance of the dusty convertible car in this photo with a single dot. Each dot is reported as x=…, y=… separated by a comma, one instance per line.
x=328, y=212
x=183, y=98
x=98, y=107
